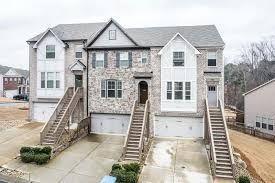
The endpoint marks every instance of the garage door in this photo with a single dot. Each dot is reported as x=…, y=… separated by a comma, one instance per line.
x=43, y=111
x=109, y=123
x=182, y=127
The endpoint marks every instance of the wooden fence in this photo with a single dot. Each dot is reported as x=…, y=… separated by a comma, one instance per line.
x=251, y=131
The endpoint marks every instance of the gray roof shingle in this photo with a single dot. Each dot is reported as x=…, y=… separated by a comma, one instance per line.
x=5, y=69
x=198, y=36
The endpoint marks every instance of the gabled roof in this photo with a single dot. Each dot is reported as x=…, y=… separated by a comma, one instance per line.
x=45, y=33
x=178, y=34
x=77, y=63
x=5, y=69
x=198, y=36
x=250, y=91
x=97, y=35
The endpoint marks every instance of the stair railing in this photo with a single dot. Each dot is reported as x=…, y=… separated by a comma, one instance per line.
x=227, y=136
x=210, y=135
x=145, y=120
x=66, y=116
x=69, y=91
x=129, y=127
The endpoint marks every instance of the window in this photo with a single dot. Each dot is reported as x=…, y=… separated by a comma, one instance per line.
x=6, y=79
x=15, y=79
x=119, y=89
x=212, y=59
x=99, y=62
x=50, y=51
x=270, y=127
x=178, y=58
x=57, y=80
x=42, y=85
x=178, y=90
x=258, y=124
x=114, y=89
x=111, y=86
x=112, y=34
x=169, y=91
x=10, y=79
x=50, y=79
x=264, y=125
x=187, y=90
x=103, y=89
x=143, y=57
x=78, y=51
x=124, y=60
x=211, y=88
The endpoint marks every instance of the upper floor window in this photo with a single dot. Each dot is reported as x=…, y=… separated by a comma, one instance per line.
x=187, y=90
x=178, y=58
x=124, y=59
x=111, y=89
x=112, y=34
x=99, y=60
x=212, y=59
x=178, y=90
x=50, y=80
x=78, y=51
x=143, y=57
x=169, y=91
x=10, y=79
x=50, y=51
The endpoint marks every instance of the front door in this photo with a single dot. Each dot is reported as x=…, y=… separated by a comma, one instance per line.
x=78, y=81
x=143, y=92
x=212, y=96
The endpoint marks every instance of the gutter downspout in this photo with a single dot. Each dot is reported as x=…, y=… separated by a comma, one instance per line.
x=87, y=85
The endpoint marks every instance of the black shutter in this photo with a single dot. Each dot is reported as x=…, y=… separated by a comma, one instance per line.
x=130, y=59
x=105, y=59
x=93, y=60
x=117, y=59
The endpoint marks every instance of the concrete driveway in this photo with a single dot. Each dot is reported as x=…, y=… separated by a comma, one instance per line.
x=176, y=161
x=86, y=161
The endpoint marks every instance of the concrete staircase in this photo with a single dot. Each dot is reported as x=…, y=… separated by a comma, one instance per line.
x=132, y=151
x=223, y=167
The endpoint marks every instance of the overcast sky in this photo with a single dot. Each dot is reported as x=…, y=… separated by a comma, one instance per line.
x=238, y=21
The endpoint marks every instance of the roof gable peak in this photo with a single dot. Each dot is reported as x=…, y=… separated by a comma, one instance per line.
x=45, y=33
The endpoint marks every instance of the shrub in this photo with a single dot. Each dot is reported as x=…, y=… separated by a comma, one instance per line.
x=41, y=158
x=25, y=149
x=27, y=157
x=122, y=176
x=36, y=150
x=46, y=150
x=116, y=166
x=132, y=167
x=243, y=179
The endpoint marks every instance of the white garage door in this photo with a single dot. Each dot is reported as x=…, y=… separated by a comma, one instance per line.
x=182, y=127
x=43, y=111
x=109, y=123
x=11, y=93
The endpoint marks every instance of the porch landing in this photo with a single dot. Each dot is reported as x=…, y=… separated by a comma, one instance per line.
x=176, y=160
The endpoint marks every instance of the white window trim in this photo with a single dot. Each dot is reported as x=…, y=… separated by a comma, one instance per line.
x=113, y=30
x=124, y=59
x=116, y=89
x=51, y=52
x=184, y=61
x=78, y=49
x=54, y=80
x=144, y=55
x=164, y=97
x=101, y=56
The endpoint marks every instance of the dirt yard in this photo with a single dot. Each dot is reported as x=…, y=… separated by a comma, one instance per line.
x=12, y=114
x=259, y=155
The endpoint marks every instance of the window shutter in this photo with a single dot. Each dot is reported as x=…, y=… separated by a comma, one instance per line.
x=105, y=59
x=117, y=59
x=93, y=60
x=130, y=59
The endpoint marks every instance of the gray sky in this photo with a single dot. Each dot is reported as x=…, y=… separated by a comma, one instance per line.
x=238, y=21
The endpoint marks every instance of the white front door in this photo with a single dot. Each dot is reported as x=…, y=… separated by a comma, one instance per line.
x=212, y=96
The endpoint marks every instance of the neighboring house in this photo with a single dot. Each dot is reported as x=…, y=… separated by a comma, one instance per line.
x=11, y=79
x=174, y=67
x=259, y=105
